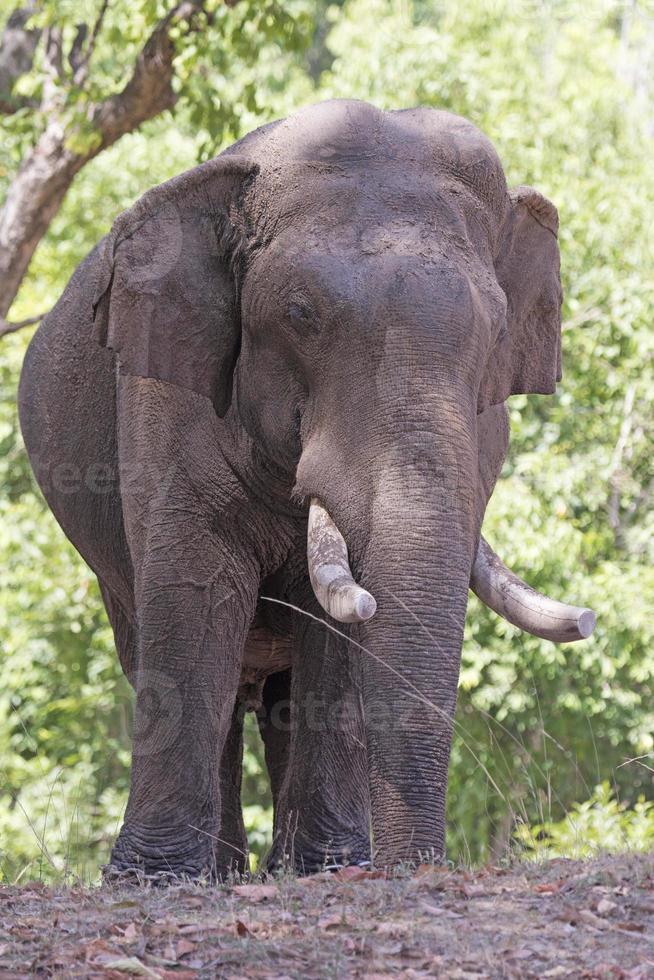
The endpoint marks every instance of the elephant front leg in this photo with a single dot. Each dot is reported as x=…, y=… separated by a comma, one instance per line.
x=322, y=812
x=191, y=637
x=188, y=521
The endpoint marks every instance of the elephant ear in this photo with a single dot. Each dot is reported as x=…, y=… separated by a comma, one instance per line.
x=166, y=299
x=526, y=357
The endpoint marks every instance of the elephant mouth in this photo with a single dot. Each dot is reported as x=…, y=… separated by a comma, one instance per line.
x=497, y=587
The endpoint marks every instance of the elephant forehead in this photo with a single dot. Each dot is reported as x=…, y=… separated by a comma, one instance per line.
x=401, y=236
x=354, y=138
x=380, y=211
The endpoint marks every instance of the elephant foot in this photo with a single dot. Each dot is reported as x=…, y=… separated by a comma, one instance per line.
x=363, y=865
x=307, y=859
x=147, y=855
x=112, y=875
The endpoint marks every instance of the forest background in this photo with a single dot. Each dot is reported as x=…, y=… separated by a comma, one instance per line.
x=102, y=99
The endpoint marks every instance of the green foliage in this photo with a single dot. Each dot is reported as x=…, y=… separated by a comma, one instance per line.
x=564, y=90
x=599, y=825
x=231, y=64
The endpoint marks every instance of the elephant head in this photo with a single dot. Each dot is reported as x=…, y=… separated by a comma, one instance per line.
x=360, y=293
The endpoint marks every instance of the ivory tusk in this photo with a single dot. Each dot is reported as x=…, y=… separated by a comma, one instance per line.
x=329, y=570
x=517, y=602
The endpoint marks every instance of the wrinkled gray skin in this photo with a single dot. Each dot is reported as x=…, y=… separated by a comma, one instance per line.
x=336, y=307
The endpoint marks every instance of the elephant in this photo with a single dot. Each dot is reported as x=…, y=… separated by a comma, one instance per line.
x=269, y=410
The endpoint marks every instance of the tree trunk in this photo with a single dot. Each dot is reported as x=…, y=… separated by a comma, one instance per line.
x=47, y=172
x=17, y=48
x=33, y=199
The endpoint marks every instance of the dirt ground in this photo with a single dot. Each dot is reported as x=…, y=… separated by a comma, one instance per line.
x=558, y=919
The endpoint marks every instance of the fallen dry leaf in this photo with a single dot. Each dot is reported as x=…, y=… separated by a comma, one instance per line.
x=440, y=910
x=256, y=893
x=130, y=964
x=168, y=960
x=631, y=926
x=357, y=874
x=183, y=947
x=427, y=869
x=393, y=930
x=331, y=921
x=99, y=947
x=550, y=887
x=523, y=953
x=585, y=915
x=192, y=928
x=477, y=891
x=241, y=929
x=22, y=932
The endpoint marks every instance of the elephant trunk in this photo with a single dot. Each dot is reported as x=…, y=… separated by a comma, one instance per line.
x=418, y=564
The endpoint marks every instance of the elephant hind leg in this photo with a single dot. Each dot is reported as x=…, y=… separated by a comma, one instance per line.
x=265, y=687
x=231, y=851
x=273, y=718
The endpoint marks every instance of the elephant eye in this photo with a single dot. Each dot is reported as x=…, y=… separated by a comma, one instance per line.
x=302, y=316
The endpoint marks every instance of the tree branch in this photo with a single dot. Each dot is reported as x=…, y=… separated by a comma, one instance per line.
x=46, y=173
x=7, y=327
x=149, y=91
x=76, y=53
x=81, y=69
x=17, y=47
x=53, y=63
